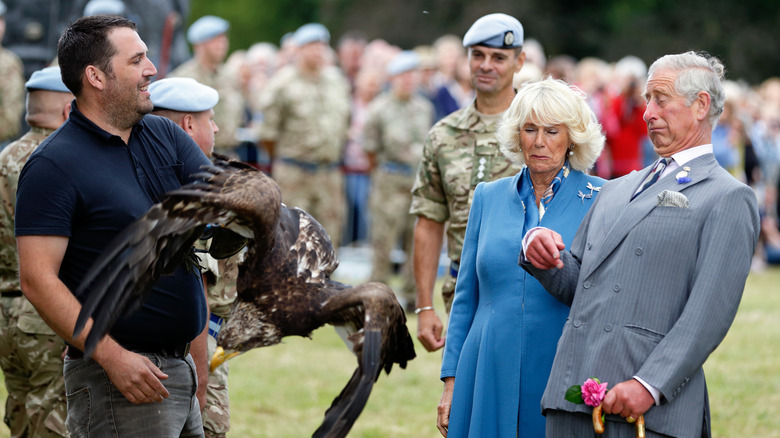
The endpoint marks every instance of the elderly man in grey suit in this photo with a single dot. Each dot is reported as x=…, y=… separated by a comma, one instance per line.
x=656, y=271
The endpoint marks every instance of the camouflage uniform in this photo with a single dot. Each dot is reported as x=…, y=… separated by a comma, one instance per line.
x=11, y=94
x=221, y=281
x=394, y=131
x=461, y=151
x=229, y=111
x=30, y=352
x=308, y=119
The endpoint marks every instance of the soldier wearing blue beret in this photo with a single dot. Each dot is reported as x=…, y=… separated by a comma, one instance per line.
x=206, y=28
x=210, y=45
x=306, y=111
x=190, y=105
x=461, y=151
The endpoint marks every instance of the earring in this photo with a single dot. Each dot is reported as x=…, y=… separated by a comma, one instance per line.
x=571, y=151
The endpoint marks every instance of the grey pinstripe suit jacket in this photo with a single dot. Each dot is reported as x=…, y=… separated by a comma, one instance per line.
x=653, y=290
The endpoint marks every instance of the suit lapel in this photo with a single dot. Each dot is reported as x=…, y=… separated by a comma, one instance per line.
x=624, y=214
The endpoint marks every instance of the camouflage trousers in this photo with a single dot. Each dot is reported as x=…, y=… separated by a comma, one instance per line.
x=319, y=191
x=392, y=224
x=216, y=413
x=31, y=359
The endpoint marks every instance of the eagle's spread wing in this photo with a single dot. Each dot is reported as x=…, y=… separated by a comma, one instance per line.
x=381, y=341
x=230, y=194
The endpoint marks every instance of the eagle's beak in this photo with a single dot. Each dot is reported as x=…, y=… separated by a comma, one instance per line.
x=221, y=356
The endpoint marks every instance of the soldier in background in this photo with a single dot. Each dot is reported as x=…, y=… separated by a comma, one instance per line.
x=306, y=111
x=461, y=151
x=190, y=105
x=11, y=88
x=208, y=36
x=396, y=126
x=30, y=351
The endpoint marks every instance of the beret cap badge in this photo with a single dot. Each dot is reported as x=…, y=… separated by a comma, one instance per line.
x=509, y=38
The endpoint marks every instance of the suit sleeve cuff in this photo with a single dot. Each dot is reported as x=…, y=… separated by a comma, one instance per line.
x=527, y=241
x=653, y=391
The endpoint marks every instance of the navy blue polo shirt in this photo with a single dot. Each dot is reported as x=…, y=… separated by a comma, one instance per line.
x=88, y=185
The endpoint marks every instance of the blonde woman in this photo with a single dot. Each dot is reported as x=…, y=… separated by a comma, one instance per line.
x=504, y=326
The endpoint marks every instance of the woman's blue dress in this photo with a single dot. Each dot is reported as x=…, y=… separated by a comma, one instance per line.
x=504, y=327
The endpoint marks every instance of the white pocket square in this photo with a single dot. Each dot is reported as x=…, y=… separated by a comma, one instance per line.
x=669, y=198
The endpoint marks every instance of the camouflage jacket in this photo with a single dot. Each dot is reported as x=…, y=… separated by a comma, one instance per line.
x=461, y=151
x=12, y=159
x=307, y=117
x=229, y=111
x=396, y=129
x=11, y=94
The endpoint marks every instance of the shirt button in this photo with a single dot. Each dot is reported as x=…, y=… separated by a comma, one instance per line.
x=577, y=323
x=586, y=284
x=616, y=288
x=639, y=251
x=608, y=328
x=590, y=245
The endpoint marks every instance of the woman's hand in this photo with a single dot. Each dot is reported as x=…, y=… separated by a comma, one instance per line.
x=443, y=420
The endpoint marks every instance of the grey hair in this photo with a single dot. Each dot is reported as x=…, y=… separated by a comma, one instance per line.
x=697, y=72
x=552, y=102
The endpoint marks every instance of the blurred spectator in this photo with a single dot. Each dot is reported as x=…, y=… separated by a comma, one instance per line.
x=396, y=126
x=529, y=73
x=427, y=70
x=350, y=51
x=562, y=67
x=534, y=53
x=623, y=118
x=305, y=121
x=456, y=92
x=593, y=76
x=357, y=168
x=722, y=140
x=208, y=36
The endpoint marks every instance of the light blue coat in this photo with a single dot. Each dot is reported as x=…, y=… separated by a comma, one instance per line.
x=504, y=326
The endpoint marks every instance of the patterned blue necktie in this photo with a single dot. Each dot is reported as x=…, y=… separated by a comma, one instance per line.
x=654, y=175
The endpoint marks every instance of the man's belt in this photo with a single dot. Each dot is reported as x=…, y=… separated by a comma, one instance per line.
x=178, y=351
x=310, y=166
x=11, y=294
x=454, y=266
x=397, y=168
x=215, y=324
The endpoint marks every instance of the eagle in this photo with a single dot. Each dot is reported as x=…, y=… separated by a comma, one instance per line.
x=284, y=281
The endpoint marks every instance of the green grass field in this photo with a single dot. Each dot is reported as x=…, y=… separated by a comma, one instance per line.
x=283, y=391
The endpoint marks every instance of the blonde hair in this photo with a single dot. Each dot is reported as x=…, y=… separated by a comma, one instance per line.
x=552, y=102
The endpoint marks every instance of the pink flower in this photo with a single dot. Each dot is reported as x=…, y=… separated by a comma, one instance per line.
x=593, y=392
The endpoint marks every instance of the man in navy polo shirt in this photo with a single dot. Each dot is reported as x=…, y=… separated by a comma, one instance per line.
x=104, y=168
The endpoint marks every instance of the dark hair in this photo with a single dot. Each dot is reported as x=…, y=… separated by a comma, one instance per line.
x=85, y=42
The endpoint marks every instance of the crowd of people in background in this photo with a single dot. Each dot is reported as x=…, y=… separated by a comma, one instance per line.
x=746, y=141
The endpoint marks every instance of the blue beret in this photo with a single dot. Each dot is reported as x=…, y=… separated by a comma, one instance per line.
x=499, y=31
x=402, y=63
x=104, y=7
x=182, y=94
x=48, y=79
x=309, y=33
x=206, y=28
